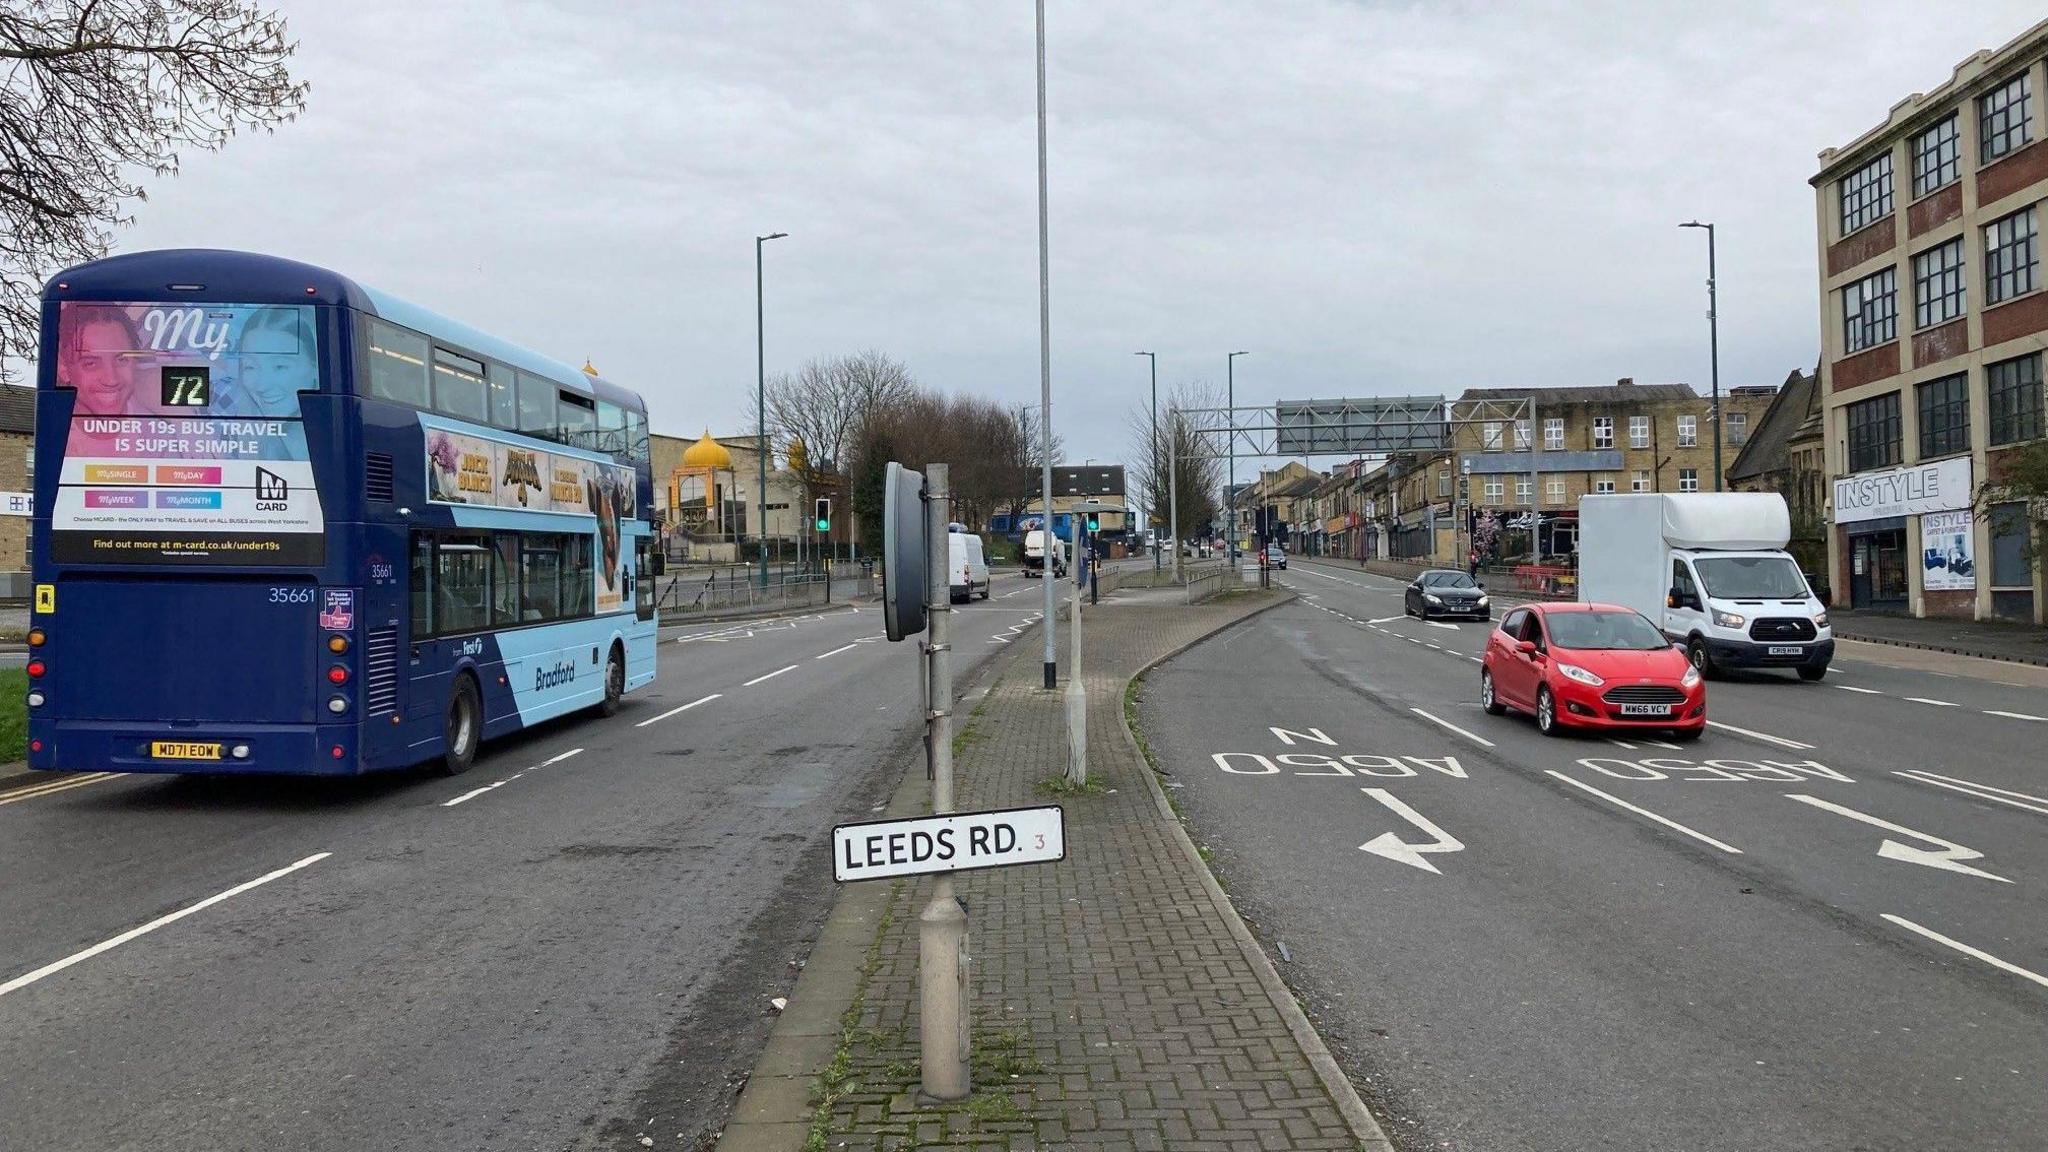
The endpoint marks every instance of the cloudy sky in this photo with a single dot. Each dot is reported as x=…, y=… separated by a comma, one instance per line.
x=1369, y=198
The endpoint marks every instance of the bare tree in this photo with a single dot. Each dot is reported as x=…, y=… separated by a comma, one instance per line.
x=93, y=90
x=1198, y=471
x=825, y=401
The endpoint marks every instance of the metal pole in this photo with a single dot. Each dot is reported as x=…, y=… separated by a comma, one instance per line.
x=1077, y=696
x=1714, y=346
x=1173, y=488
x=1151, y=512
x=1045, y=364
x=1230, y=485
x=761, y=401
x=942, y=926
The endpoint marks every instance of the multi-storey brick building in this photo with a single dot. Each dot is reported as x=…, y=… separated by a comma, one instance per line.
x=17, y=477
x=1933, y=324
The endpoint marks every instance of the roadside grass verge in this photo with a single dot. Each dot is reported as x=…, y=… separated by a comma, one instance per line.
x=13, y=715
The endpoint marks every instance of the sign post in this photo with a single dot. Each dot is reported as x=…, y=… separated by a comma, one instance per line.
x=1077, y=696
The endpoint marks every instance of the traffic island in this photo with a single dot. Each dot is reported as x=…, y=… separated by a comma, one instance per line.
x=1117, y=999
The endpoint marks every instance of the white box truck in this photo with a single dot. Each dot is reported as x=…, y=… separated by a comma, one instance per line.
x=1711, y=569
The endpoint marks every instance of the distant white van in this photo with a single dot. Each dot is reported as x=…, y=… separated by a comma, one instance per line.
x=967, y=569
x=1034, y=554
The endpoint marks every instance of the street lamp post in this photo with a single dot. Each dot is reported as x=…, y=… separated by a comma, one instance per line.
x=761, y=399
x=1045, y=366
x=1230, y=399
x=1713, y=345
x=1150, y=512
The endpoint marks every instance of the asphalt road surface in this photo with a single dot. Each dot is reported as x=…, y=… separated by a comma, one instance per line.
x=571, y=946
x=1818, y=927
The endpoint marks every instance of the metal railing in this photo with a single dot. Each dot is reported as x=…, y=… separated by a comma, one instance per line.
x=686, y=593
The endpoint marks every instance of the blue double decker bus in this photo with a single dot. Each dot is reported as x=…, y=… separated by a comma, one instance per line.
x=285, y=523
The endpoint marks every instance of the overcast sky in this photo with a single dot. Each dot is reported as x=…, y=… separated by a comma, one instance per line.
x=1369, y=198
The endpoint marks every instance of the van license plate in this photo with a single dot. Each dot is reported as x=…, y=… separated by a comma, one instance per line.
x=1646, y=710
x=1787, y=650
x=173, y=750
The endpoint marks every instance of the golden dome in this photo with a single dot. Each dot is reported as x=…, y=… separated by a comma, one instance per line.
x=707, y=453
x=587, y=369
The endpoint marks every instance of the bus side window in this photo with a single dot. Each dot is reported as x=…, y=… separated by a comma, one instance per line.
x=398, y=364
x=643, y=587
x=577, y=418
x=422, y=585
x=505, y=580
x=536, y=406
x=504, y=399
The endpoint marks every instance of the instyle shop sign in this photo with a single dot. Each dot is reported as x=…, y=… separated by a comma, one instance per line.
x=1938, y=486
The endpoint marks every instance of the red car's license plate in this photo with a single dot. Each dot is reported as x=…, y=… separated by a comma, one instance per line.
x=1646, y=709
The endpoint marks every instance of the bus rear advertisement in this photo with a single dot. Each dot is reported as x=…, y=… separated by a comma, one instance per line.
x=287, y=524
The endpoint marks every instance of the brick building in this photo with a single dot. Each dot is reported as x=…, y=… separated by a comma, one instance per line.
x=1933, y=324
x=1784, y=455
x=17, y=473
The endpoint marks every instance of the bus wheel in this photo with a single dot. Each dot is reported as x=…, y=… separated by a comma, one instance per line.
x=614, y=682
x=461, y=728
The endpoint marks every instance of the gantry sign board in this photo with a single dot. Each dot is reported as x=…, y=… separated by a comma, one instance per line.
x=956, y=842
x=1360, y=427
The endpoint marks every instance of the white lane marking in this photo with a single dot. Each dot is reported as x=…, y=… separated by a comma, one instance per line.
x=1663, y=744
x=2015, y=715
x=472, y=794
x=1391, y=846
x=1441, y=624
x=1766, y=737
x=770, y=676
x=1979, y=791
x=1865, y=691
x=1965, y=949
x=1443, y=723
x=53, y=786
x=1925, y=700
x=674, y=711
x=1385, y=620
x=1411, y=640
x=558, y=757
x=23, y=981
x=1646, y=813
x=835, y=651
x=1949, y=858
x=1621, y=744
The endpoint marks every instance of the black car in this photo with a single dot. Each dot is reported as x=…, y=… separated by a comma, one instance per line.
x=1447, y=592
x=1276, y=557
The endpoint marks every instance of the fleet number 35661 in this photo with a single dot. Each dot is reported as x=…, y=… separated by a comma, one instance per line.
x=291, y=595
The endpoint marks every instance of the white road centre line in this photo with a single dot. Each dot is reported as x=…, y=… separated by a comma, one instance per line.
x=1646, y=813
x=1443, y=723
x=835, y=651
x=1978, y=791
x=768, y=677
x=1936, y=703
x=677, y=710
x=23, y=981
x=2015, y=715
x=1864, y=691
x=1621, y=744
x=558, y=757
x=1766, y=737
x=1965, y=949
x=55, y=786
x=471, y=794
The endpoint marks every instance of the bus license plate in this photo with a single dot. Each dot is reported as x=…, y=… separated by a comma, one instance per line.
x=1646, y=709
x=1787, y=650
x=174, y=750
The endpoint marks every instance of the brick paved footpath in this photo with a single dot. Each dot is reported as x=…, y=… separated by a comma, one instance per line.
x=1117, y=1001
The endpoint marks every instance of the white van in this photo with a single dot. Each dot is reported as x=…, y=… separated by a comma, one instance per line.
x=1034, y=554
x=1711, y=569
x=966, y=569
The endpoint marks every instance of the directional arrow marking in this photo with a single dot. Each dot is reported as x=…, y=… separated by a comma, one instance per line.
x=1949, y=858
x=1392, y=847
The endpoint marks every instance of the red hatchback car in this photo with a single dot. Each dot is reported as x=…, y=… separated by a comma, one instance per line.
x=1590, y=666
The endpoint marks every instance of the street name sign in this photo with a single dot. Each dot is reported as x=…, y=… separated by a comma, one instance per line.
x=955, y=842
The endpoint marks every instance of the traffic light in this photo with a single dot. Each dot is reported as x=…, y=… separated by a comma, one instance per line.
x=824, y=514
x=1094, y=522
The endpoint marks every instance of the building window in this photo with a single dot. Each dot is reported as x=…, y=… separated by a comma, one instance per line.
x=1603, y=431
x=1945, y=416
x=2009, y=257
x=1688, y=479
x=1688, y=431
x=1640, y=482
x=1489, y=436
x=1938, y=284
x=1603, y=485
x=1525, y=490
x=1494, y=488
x=1867, y=194
x=1870, y=311
x=2009, y=551
x=1553, y=434
x=2004, y=117
x=1553, y=490
x=1937, y=153
x=1738, y=428
x=2013, y=390
x=1521, y=435
x=1874, y=432
x=1443, y=482
x=1639, y=431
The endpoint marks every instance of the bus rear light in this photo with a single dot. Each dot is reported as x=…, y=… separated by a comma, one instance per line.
x=36, y=668
x=35, y=745
x=35, y=699
x=239, y=751
x=36, y=637
x=336, y=752
x=337, y=675
x=337, y=704
x=337, y=644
